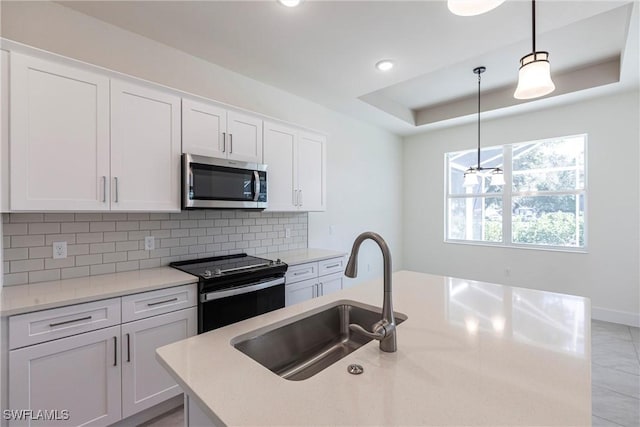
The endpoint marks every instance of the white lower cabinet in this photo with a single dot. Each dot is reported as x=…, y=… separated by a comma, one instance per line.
x=144, y=382
x=79, y=366
x=313, y=279
x=79, y=374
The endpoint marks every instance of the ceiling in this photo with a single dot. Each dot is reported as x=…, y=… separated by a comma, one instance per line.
x=325, y=51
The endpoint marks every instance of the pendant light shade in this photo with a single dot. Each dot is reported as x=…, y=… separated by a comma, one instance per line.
x=497, y=177
x=470, y=178
x=534, y=77
x=472, y=7
x=472, y=175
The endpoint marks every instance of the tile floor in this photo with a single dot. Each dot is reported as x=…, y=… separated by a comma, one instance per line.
x=615, y=379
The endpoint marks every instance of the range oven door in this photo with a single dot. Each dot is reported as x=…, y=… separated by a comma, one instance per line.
x=221, y=308
x=219, y=183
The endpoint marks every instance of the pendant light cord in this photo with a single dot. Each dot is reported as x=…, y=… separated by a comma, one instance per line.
x=533, y=24
x=479, y=77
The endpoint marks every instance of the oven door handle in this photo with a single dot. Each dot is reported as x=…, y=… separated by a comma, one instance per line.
x=242, y=290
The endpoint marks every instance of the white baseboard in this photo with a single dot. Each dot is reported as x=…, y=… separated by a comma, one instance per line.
x=615, y=316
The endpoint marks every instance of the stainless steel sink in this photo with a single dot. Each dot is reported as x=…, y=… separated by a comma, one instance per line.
x=304, y=347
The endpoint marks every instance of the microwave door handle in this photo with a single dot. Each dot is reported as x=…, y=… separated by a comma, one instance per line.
x=256, y=185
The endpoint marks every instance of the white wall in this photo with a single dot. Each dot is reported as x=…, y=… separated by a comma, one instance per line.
x=608, y=273
x=364, y=162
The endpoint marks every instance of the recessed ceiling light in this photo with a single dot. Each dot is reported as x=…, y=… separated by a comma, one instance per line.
x=384, y=65
x=289, y=3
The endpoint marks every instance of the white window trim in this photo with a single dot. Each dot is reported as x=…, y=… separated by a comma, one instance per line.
x=507, y=198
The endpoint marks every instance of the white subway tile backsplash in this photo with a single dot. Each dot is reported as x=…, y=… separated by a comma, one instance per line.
x=26, y=265
x=16, y=254
x=44, y=228
x=73, y=272
x=88, y=259
x=59, y=263
x=44, y=275
x=75, y=227
x=25, y=241
x=114, y=257
x=26, y=217
x=14, y=229
x=59, y=217
x=102, y=226
x=102, y=269
x=101, y=243
x=99, y=248
x=127, y=266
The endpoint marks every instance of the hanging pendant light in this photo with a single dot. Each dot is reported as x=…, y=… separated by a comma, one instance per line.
x=534, y=77
x=471, y=175
x=472, y=7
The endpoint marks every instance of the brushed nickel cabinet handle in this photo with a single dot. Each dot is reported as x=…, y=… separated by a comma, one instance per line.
x=115, y=351
x=128, y=348
x=104, y=189
x=115, y=178
x=151, y=304
x=224, y=141
x=53, y=325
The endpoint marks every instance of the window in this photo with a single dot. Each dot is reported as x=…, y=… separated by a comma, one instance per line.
x=541, y=205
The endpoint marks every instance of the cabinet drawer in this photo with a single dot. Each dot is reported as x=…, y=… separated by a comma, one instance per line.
x=330, y=266
x=297, y=273
x=148, y=304
x=46, y=325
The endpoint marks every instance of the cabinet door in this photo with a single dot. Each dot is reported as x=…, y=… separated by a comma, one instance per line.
x=144, y=382
x=301, y=291
x=204, y=127
x=59, y=136
x=331, y=283
x=245, y=137
x=145, y=148
x=4, y=131
x=280, y=156
x=80, y=374
x=312, y=165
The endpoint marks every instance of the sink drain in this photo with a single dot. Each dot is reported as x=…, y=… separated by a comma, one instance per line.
x=355, y=369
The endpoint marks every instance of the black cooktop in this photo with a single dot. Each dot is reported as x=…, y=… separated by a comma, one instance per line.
x=227, y=271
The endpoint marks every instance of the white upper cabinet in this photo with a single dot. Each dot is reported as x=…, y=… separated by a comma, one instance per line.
x=145, y=148
x=296, y=170
x=204, y=127
x=311, y=179
x=280, y=153
x=81, y=141
x=245, y=137
x=210, y=130
x=4, y=131
x=59, y=136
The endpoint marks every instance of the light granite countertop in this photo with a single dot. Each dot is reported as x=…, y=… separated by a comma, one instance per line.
x=470, y=353
x=39, y=296
x=300, y=256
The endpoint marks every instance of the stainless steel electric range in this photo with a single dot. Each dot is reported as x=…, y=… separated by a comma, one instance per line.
x=232, y=288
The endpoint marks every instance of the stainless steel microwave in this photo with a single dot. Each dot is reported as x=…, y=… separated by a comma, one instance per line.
x=208, y=182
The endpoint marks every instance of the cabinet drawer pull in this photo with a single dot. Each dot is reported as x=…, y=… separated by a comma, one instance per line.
x=115, y=179
x=224, y=141
x=333, y=266
x=301, y=272
x=151, y=304
x=53, y=325
x=115, y=351
x=230, y=143
x=104, y=189
x=128, y=348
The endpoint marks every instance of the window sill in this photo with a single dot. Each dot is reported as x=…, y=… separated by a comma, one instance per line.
x=513, y=246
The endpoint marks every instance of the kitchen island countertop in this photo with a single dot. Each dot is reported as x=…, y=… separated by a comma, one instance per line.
x=470, y=353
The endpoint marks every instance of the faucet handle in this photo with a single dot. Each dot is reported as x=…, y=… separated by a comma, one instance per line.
x=379, y=331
